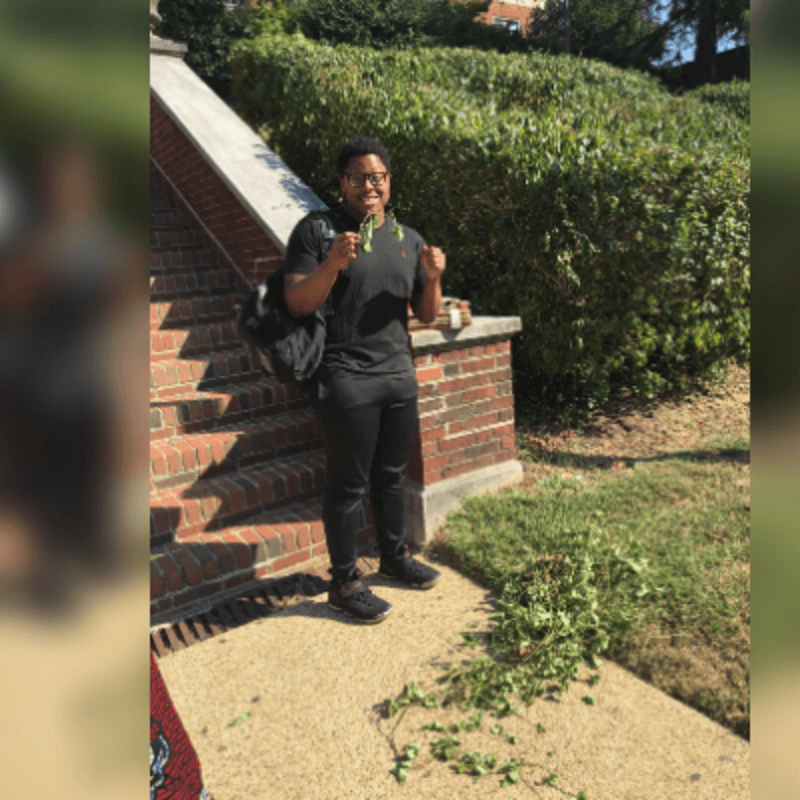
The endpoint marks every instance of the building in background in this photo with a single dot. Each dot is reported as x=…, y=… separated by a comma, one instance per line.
x=511, y=15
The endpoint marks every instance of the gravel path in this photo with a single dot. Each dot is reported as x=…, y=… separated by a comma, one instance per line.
x=314, y=686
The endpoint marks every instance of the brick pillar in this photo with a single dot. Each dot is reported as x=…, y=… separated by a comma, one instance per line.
x=466, y=443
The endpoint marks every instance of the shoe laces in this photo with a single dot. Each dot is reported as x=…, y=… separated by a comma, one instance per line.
x=412, y=567
x=360, y=594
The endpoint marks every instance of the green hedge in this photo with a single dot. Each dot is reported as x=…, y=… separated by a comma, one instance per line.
x=733, y=96
x=608, y=214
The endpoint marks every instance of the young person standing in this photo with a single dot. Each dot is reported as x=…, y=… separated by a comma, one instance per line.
x=365, y=393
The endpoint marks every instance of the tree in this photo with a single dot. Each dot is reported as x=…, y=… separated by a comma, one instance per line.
x=621, y=32
x=209, y=30
x=710, y=20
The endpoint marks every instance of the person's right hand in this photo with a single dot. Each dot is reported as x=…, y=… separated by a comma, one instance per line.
x=344, y=249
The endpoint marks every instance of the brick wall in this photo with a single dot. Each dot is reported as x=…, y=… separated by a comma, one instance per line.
x=221, y=211
x=466, y=410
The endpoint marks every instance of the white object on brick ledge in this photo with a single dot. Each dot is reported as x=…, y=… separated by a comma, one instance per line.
x=482, y=331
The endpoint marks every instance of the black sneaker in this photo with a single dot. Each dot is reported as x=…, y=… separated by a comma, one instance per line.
x=356, y=600
x=409, y=571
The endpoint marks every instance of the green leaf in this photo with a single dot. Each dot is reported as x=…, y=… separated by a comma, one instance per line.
x=401, y=773
x=243, y=718
x=473, y=723
x=512, y=777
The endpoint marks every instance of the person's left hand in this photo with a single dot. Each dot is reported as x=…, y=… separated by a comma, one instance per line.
x=433, y=261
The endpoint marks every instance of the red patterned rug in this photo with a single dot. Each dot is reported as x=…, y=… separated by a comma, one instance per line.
x=175, y=772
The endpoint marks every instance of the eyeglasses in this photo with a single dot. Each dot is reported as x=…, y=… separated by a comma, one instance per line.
x=357, y=179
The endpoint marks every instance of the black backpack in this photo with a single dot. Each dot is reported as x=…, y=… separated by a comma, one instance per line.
x=285, y=347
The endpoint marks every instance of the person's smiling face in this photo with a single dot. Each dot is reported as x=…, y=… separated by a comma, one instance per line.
x=367, y=198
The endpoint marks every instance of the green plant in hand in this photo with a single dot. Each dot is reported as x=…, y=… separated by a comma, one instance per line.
x=368, y=225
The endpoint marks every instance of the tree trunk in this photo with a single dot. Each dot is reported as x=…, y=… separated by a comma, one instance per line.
x=705, y=58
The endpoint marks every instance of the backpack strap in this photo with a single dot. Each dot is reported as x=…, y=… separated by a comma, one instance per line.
x=327, y=233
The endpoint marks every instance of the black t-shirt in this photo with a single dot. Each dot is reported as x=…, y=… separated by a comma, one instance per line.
x=366, y=312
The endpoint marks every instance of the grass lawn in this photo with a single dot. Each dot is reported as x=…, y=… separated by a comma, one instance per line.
x=645, y=562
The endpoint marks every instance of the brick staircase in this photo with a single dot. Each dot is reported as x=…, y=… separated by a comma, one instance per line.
x=236, y=460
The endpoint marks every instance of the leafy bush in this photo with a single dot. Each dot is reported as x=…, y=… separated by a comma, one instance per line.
x=366, y=23
x=611, y=216
x=733, y=96
x=401, y=24
x=209, y=30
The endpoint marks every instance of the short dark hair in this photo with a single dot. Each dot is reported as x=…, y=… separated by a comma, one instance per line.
x=361, y=146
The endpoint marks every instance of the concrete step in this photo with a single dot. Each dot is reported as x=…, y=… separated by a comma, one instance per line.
x=212, y=504
x=189, y=458
x=196, y=411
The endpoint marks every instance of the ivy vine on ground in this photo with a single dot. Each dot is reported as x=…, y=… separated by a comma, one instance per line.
x=448, y=748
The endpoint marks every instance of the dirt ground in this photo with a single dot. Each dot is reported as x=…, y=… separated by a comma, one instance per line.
x=709, y=422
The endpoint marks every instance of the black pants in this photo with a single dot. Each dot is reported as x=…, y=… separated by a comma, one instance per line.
x=367, y=445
